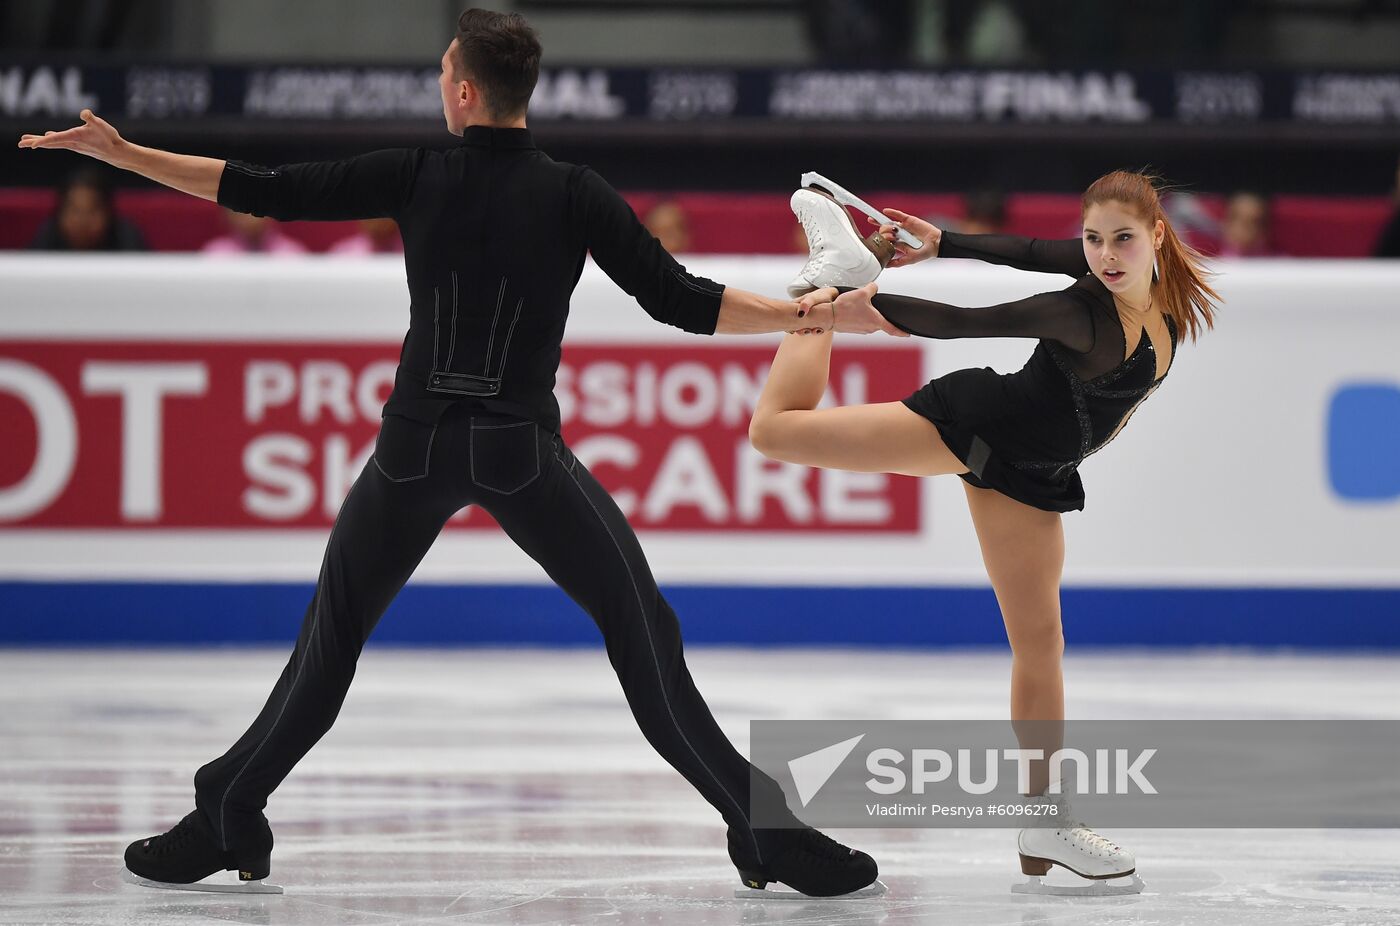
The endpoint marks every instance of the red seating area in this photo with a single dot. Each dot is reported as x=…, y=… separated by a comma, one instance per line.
x=1322, y=226
x=743, y=223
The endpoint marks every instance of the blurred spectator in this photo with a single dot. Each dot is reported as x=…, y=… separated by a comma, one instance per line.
x=1245, y=231
x=1388, y=245
x=986, y=214
x=962, y=32
x=861, y=33
x=85, y=218
x=669, y=223
x=251, y=234
x=376, y=236
x=1099, y=33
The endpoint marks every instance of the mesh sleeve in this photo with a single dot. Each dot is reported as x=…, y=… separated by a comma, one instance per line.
x=1059, y=256
x=1059, y=316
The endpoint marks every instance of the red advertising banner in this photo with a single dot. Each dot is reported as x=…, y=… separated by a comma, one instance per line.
x=252, y=435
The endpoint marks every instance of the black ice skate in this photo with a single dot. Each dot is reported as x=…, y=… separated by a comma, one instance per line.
x=813, y=865
x=181, y=859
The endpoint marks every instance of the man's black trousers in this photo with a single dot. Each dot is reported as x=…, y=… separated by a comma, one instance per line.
x=551, y=506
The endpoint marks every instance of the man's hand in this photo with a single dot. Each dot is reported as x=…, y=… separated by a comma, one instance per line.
x=95, y=137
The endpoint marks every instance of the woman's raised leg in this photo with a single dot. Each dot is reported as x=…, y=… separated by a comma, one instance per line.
x=881, y=438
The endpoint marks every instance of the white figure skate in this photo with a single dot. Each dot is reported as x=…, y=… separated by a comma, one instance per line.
x=838, y=255
x=1109, y=868
x=214, y=886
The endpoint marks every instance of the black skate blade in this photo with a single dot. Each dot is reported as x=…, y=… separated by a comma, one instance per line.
x=205, y=887
x=778, y=892
x=1099, y=887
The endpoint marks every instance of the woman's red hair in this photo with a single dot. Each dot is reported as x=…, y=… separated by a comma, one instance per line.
x=1180, y=288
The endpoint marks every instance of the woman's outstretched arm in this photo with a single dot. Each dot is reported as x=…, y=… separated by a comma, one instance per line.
x=1046, y=256
x=1059, y=316
x=1039, y=254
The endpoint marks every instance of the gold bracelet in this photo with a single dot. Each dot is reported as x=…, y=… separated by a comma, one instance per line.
x=833, y=316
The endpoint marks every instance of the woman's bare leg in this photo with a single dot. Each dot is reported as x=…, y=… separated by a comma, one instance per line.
x=1024, y=552
x=880, y=438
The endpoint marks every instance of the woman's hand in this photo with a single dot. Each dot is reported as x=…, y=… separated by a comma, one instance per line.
x=926, y=232
x=95, y=137
x=814, y=308
x=855, y=313
x=850, y=313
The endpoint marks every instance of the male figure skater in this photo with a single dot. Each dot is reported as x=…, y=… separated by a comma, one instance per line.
x=495, y=234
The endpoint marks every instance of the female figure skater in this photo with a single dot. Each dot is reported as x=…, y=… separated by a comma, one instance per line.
x=1105, y=344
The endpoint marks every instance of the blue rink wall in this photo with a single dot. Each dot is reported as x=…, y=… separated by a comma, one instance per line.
x=83, y=613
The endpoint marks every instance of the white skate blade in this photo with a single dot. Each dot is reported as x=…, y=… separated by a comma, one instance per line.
x=781, y=892
x=206, y=887
x=1102, y=887
x=846, y=198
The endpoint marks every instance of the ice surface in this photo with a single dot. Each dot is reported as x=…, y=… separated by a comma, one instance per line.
x=510, y=786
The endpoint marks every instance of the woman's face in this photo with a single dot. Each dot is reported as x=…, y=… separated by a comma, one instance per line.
x=1119, y=246
x=83, y=219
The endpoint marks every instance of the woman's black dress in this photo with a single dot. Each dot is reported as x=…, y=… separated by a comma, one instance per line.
x=1025, y=433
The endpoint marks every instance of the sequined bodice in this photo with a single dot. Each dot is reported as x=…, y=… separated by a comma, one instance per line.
x=1104, y=403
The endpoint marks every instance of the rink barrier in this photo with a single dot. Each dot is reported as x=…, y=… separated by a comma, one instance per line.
x=177, y=435
x=154, y=614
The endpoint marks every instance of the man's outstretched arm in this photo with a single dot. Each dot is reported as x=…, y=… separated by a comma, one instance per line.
x=367, y=186
x=635, y=260
x=97, y=139
x=743, y=312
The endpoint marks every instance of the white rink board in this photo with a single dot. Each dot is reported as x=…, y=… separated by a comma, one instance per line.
x=1221, y=479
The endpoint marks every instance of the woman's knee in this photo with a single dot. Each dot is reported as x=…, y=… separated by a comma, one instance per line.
x=761, y=433
x=1036, y=638
x=768, y=434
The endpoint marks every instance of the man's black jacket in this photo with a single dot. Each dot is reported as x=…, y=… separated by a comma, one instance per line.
x=494, y=234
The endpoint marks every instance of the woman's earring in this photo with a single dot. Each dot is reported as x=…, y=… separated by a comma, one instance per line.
x=1156, y=275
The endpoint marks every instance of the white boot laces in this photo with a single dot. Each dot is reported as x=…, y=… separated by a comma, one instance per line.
x=815, y=241
x=1090, y=839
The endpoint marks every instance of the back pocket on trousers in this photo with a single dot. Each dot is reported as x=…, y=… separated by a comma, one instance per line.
x=403, y=448
x=505, y=458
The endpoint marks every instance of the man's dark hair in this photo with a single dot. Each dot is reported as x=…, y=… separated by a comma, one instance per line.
x=500, y=52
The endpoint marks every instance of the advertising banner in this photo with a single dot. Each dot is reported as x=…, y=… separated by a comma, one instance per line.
x=175, y=428
x=340, y=93
x=140, y=434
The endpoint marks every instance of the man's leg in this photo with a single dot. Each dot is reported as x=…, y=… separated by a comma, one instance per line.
x=382, y=532
x=569, y=524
